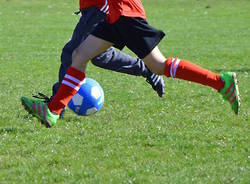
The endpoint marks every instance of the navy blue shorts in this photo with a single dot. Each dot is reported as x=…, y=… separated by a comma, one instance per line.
x=135, y=33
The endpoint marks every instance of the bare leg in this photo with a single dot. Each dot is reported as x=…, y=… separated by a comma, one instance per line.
x=87, y=50
x=155, y=61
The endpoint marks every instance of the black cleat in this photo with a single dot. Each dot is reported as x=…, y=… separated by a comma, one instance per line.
x=157, y=83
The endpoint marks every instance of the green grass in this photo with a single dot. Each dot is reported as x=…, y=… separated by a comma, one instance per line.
x=189, y=136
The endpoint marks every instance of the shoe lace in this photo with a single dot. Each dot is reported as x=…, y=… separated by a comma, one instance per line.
x=42, y=96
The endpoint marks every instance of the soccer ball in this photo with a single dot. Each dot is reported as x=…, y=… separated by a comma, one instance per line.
x=89, y=98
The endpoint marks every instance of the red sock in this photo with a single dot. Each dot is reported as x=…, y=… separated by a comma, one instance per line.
x=69, y=87
x=188, y=71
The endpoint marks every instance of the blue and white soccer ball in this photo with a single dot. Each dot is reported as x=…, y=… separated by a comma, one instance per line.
x=89, y=99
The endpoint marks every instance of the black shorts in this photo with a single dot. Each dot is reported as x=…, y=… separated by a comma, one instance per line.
x=135, y=33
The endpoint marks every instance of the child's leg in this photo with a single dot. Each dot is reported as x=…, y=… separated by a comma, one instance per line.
x=225, y=83
x=71, y=83
x=182, y=69
x=118, y=61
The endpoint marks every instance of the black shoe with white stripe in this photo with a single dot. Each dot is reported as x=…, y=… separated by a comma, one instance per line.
x=157, y=83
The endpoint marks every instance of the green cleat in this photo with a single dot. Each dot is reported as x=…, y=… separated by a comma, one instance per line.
x=230, y=92
x=39, y=109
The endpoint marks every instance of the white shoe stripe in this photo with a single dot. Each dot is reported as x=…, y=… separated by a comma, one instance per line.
x=155, y=78
x=158, y=79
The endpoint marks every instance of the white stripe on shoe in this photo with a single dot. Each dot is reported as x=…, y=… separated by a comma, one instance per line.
x=158, y=79
x=155, y=79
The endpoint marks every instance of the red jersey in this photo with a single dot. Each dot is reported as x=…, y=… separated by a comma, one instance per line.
x=101, y=4
x=127, y=8
x=116, y=8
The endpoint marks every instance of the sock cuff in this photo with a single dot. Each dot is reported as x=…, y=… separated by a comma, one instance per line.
x=166, y=69
x=76, y=73
x=171, y=66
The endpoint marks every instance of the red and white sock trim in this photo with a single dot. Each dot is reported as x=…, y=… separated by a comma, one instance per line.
x=174, y=66
x=73, y=78
x=72, y=82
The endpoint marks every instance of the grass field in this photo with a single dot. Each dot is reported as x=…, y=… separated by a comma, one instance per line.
x=189, y=136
